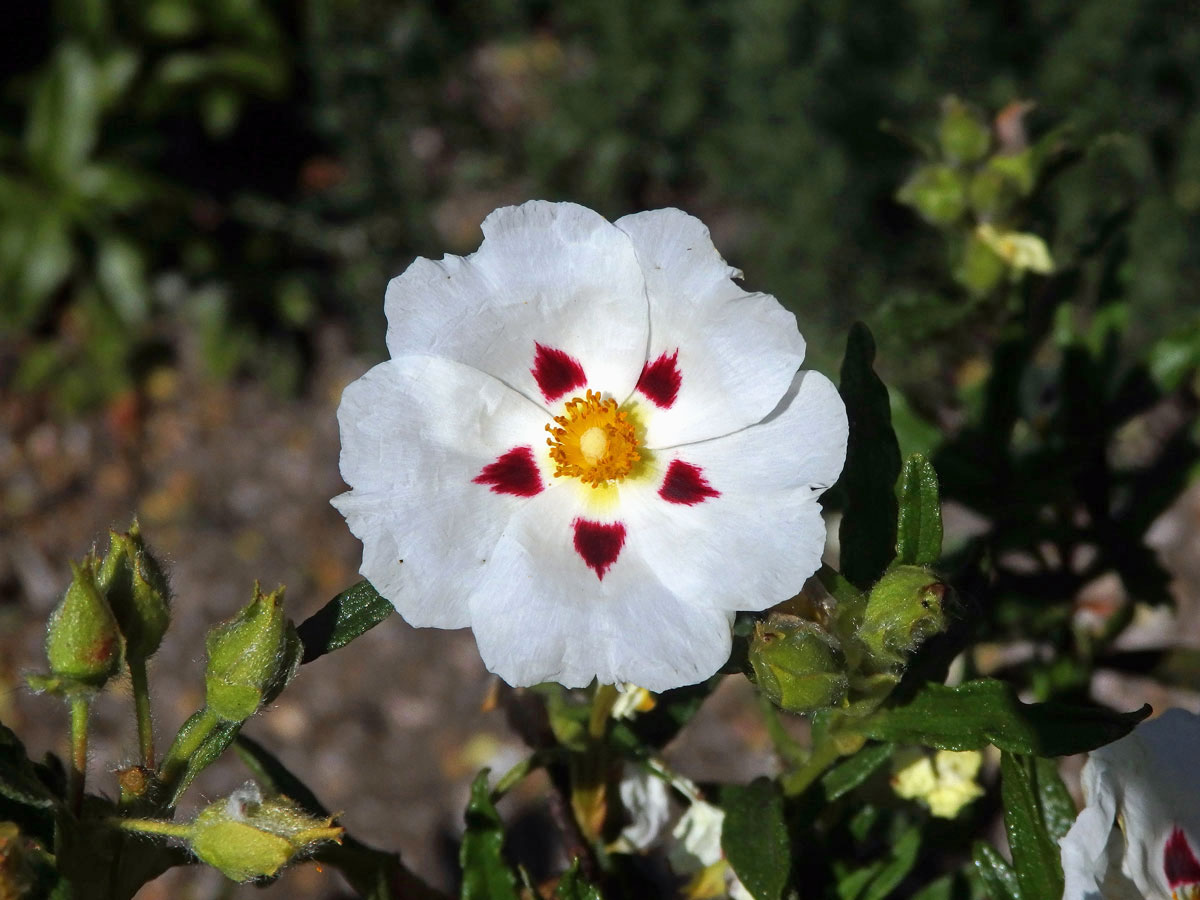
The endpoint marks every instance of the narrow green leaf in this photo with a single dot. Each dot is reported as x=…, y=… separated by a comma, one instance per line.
x=1035, y=853
x=350, y=614
x=919, y=522
x=486, y=875
x=573, y=886
x=199, y=743
x=987, y=711
x=64, y=117
x=1058, y=809
x=868, y=529
x=18, y=778
x=755, y=837
x=895, y=867
x=999, y=880
x=848, y=775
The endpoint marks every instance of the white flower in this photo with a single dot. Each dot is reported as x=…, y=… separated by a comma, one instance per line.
x=1139, y=833
x=645, y=798
x=590, y=446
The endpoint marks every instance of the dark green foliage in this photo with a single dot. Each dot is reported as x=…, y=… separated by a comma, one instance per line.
x=755, y=837
x=351, y=613
x=1034, y=849
x=486, y=875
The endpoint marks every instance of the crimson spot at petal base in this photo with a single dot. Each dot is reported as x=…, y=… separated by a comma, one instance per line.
x=686, y=484
x=515, y=473
x=556, y=373
x=599, y=544
x=1179, y=862
x=660, y=380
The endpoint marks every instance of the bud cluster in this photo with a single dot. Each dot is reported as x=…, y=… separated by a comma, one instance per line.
x=853, y=658
x=972, y=188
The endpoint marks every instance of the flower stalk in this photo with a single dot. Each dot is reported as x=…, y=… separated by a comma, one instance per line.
x=80, y=708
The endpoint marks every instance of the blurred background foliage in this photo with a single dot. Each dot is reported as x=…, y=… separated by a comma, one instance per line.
x=222, y=176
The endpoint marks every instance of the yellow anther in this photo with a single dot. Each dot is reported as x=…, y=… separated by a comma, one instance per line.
x=594, y=441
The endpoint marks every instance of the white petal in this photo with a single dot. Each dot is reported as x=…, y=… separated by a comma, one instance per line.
x=645, y=798
x=1152, y=778
x=737, y=352
x=557, y=274
x=756, y=543
x=416, y=431
x=543, y=615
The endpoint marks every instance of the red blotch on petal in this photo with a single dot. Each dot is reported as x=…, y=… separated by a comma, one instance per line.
x=1179, y=862
x=660, y=380
x=515, y=473
x=556, y=373
x=686, y=484
x=599, y=544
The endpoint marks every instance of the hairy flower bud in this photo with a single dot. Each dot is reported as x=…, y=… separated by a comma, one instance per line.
x=903, y=609
x=83, y=642
x=246, y=836
x=136, y=588
x=963, y=135
x=251, y=657
x=797, y=664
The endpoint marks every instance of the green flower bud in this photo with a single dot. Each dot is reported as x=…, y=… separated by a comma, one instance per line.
x=137, y=590
x=903, y=609
x=979, y=268
x=251, y=657
x=963, y=136
x=937, y=192
x=83, y=642
x=797, y=664
x=246, y=836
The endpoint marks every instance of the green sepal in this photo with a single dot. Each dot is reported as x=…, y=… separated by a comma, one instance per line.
x=963, y=135
x=937, y=192
x=83, y=641
x=136, y=588
x=797, y=664
x=903, y=610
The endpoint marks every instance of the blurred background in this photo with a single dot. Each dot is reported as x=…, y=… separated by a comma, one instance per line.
x=201, y=202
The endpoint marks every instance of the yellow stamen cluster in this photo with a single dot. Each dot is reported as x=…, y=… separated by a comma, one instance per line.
x=594, y=441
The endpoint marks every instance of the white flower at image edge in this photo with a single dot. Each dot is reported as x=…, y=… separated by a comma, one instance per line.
x=590, y=446
x=1138, y=835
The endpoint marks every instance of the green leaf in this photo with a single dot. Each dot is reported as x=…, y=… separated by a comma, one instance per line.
x=197, y=745
x=1035, y=853
x=18, y=778
x=486, y=875
x=997, y=876
x=64, y=117
x=352, y=613
x=755, y=838
x=919, y=522
x=573, y=886
x=121, y=270
x=847, y=775
x=868, y=529
x=987, y=711
x=1058, y=808
x=879, y=880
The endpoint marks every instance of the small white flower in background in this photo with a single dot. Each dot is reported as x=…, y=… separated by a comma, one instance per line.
x=945, y=783
x=590, y=446
x=1139, y=833
x=699, y=854
x=645, y=798
x=631, y=701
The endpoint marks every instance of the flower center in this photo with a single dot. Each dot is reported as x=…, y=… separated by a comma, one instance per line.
x=594, y=441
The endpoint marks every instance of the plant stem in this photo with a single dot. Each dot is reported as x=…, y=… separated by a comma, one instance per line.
x=152, y=826
x=79, y=747
x=602, y=704
x=141, y=708
x=192, y=735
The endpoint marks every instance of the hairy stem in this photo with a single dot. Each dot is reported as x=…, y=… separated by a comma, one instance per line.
x=141, y=708
x=79, y=748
